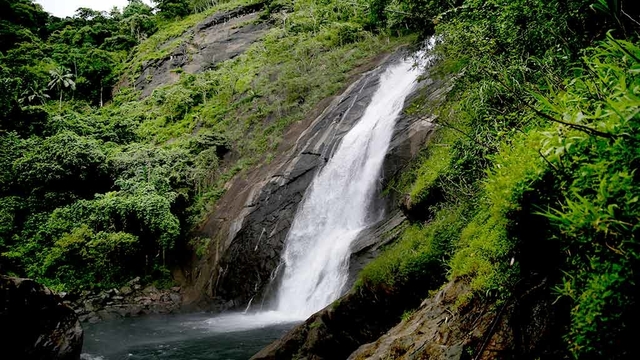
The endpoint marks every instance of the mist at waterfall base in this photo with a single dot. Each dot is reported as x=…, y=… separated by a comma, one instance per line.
x=234, y=336
x=336, y=208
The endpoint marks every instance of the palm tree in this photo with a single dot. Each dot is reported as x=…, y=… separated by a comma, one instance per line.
x=61, y=79
x=33, y=93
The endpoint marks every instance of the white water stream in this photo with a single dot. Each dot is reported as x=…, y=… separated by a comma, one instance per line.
x=334, y=211
x=316, y=257
x=336, y=205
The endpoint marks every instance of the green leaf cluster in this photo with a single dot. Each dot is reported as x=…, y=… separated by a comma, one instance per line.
x=538, y=134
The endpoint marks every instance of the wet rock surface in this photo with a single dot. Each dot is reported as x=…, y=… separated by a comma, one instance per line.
x=220, y=37
x=370, y=242
x=366, y=324
x=365, y=314
x=35, y=324
x=131, y=300
x=359, y=317
x=249, y=227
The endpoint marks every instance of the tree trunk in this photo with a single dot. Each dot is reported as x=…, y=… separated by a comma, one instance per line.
x=60, y=108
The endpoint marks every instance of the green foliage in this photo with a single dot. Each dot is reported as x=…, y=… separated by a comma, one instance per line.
x=108, y=258
x=171, y=9
x=21, y=20
x=419, y=255
x=66, y=162
x=598, y=219
x=86, y=178
x=407, y=315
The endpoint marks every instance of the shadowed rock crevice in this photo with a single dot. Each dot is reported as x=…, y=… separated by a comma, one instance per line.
x=35, y=324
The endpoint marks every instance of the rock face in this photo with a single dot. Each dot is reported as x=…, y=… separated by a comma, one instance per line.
x=359, y=317
x=222, y=36
x=131, y=300
x=35, y=324
x=526, y=326
x=251, y=222
x=365, y=314
x=369, y=243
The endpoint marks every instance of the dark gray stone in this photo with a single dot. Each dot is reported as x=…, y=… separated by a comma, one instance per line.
x=35, y=324
x=255, y=238
x=220, y=37
x=250, y=226
x=175, y=298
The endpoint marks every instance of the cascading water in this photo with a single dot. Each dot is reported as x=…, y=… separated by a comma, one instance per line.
x=336, y=205
x=334, y=211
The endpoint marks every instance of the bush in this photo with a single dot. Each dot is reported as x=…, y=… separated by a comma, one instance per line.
x=596, y=160
x=419, y=254
x=82, y=258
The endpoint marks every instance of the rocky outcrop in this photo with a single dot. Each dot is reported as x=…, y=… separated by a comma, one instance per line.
x=359, y=317
x=250, y=224
x=364, y=314
x=35, y=324
x=370, y=242
x=131, y=300
x=525, y=326
x=528, y=325
x=220, y=37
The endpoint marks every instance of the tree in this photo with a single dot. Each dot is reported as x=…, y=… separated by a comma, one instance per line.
x=138, y=20
x=170, y=9
x=202, y=5
x=32, y=93
x=137, y=7
x=60, y=80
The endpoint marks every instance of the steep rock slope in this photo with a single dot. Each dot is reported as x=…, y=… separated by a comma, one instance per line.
x=524, y=326
x=251, y=222
x=221, y=36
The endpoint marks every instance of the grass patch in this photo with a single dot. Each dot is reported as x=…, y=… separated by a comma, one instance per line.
x=420, y=253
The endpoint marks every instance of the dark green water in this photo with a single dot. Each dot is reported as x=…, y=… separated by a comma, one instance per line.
x=182, y=337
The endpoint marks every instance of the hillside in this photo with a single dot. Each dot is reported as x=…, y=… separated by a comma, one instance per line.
x=133, y=178
x=165, y=144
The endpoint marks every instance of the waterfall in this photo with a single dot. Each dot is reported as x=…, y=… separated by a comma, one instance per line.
x=336, y=205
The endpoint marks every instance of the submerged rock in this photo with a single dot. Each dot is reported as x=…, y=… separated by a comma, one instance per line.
x=35, y=324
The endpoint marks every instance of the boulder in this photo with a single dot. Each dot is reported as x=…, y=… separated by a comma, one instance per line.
x=175, y=298
x=126, y=290
x=150, y=290
x=35, y=324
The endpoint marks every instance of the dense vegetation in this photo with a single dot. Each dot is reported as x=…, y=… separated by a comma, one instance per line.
x=532, y=178
x=97, y=189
